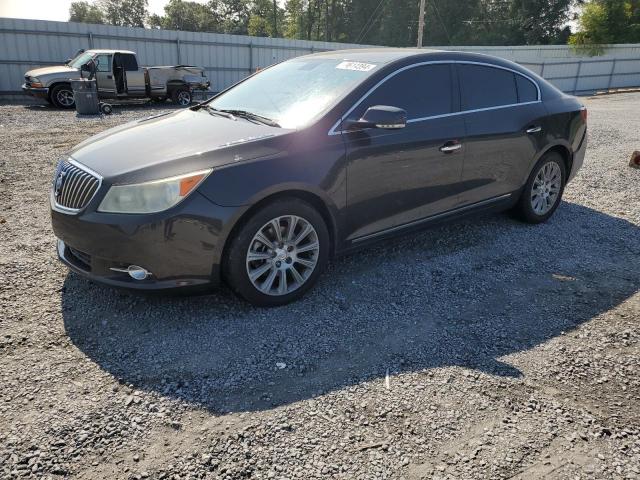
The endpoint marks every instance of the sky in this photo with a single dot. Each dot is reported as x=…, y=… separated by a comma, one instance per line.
x=57, y=9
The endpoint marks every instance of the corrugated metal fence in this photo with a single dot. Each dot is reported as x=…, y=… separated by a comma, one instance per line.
x=26, y=44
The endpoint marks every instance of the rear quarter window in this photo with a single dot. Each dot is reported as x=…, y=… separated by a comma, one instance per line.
x=129, y=62
x=527, y=91
x=485, y=87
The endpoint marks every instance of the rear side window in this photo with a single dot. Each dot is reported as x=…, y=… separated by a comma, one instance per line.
x=423, y=91
x=129, y=62
x=484, y=87
x=527, y=91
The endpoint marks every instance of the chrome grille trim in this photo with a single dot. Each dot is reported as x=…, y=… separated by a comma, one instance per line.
x=78, y=188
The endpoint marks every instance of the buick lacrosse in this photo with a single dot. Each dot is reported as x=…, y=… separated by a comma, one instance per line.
x=311, y=158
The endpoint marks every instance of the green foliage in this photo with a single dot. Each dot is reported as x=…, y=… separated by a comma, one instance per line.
x=378, y=22
x=189, y=16
x=124, y=13
x=604, y=22
x=460, y=22
x=85, y=12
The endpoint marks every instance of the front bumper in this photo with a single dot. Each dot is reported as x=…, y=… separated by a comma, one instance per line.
x=181, y=247
x=35, y=92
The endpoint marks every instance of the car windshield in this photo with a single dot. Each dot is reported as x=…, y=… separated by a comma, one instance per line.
x=80, y=60
x=293, y=93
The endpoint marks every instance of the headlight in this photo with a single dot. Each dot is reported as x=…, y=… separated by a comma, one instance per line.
x=35, y=83
x=150, y=197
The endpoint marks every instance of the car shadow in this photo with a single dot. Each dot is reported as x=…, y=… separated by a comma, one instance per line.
x=465, y=294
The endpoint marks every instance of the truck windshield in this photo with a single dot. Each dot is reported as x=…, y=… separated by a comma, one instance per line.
x=80, y=60
x=295, y=92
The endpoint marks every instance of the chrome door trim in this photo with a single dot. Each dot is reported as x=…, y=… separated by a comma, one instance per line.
x=431, y=218
x=334, y=131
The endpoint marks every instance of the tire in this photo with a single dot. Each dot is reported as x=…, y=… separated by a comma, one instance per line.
x=60, y=96
x=286, y=257
x=182, y=96
x=544, y=188
x=106, y=108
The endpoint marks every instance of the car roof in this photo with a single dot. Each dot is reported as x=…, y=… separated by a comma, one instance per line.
x=377, y=55
x=103, y=50
x=386, y=56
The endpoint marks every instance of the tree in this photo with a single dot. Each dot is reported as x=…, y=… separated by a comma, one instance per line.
x=265, y=19
x=607, y=21
x=234, y=15
x=85, y=12
x=189, y=16
x=124, y=13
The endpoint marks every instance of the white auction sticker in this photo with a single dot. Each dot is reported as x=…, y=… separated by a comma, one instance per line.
x=358, y=66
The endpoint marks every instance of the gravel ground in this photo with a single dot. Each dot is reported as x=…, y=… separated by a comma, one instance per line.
x=483, y=349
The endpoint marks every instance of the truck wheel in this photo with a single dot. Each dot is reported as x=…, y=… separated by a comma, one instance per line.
x=181, y=96
x=62, y=96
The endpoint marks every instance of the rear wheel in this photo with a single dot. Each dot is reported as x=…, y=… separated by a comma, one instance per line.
x=62, y=96
x=278, y=254
x=181, y=96
x=544, y=188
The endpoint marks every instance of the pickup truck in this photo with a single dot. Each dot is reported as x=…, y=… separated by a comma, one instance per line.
x=118, y=77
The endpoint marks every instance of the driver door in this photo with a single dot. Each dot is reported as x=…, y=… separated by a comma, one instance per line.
x=104, y=76
x=399, y=176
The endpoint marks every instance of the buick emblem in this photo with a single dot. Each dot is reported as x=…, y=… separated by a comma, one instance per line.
x=58, y=185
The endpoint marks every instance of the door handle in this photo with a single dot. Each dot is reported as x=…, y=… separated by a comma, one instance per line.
x=450, y=147
x=534, y=129
x=110, y=77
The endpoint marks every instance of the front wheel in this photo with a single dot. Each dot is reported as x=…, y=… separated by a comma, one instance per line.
x=278, y=254
x=62, y=96
x=543, y=191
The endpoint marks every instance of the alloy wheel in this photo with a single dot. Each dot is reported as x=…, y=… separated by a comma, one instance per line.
x=184, y=98
x=282, y=255
x=545, y=190
x=65, y=98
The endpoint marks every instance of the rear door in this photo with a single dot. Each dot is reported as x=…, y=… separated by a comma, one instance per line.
x=503, y=121
x=134, y=76
x=395, y=177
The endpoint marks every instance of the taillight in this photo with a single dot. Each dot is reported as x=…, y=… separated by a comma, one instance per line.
x=583, y=114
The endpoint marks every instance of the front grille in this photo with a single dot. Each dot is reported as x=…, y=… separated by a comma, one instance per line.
x=27, y=80
x=73, y=187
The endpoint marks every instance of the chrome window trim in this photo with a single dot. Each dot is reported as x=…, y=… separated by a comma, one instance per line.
x=73, y=211
x=333, y=130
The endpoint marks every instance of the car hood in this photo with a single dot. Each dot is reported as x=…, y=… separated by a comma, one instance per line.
x=58, y=70
x=175, y=143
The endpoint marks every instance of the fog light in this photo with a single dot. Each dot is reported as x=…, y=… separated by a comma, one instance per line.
x=134, y=271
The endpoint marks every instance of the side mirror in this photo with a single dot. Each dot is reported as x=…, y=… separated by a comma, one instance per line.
x=382, y=116
x=68, y=61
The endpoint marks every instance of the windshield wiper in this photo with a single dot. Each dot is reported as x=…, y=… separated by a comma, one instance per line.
x=222, y=113
x=252, y=116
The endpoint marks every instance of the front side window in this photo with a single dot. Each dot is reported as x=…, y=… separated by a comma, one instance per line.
x=295, y=92
x=103, y=63
x=485, y=87
x=423, y=91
